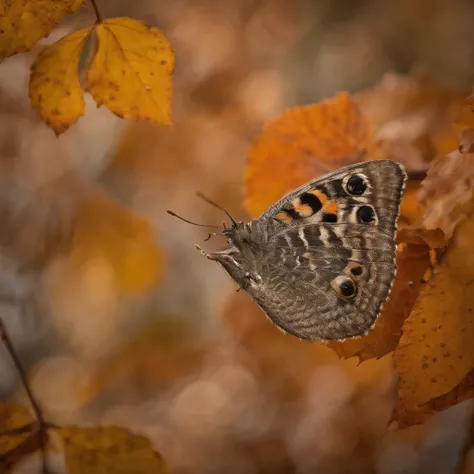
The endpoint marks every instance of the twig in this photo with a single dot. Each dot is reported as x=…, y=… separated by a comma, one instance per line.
x=467, y=446
x=42, y=424
x=96, y=11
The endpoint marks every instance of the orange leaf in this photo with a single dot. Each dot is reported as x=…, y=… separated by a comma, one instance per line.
x=131, y=71
x=24, y=22
x=435, y=355
x=303, y=144
x=55, y=90
x=412, y=263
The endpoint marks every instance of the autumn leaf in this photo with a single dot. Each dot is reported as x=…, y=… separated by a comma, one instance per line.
x=106, y=231
x=24, y=22
x=434, y=238
x=97, y=450
x=412, y=261
x=465, y=124
x=413, y=117
x=303, y=144
x=131, y=71
x=466, y=114
x=448, y=192
x=18, y=436
x=435, y=356
x=55, y=90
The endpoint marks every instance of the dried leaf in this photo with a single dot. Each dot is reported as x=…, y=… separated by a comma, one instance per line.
x=98, y=450
x=466, y=114
x=55, y=90
x=435, y=355
x=303, y=144
x=412, y=261
x=105, y=230
x=434, y=238
x=447, y=192
x=413, y=117
x=24, y=22
x=131, y=71
x=411, y=211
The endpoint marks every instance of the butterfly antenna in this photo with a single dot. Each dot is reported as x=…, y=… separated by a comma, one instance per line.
x=212, y=203
x=171, y=213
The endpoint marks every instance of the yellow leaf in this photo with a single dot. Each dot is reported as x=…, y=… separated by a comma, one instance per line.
x=104, y=230
x=131, y=71
x=19, y=436
x=24, y=22
x=98, y=450
x=435, y=355
x=55, y=90
x=13, y=416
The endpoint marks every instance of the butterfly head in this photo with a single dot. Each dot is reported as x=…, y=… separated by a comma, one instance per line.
x=238, y=259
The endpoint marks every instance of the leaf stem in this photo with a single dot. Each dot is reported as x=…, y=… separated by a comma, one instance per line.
x=96, y=11
x=42, y=425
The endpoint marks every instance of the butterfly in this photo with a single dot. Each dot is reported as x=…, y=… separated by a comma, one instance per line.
x=320, y=262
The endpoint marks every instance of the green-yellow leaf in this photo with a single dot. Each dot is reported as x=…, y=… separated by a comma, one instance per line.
x=100, y=450
x=24, y=22
x=55, y=90
x=131, y=71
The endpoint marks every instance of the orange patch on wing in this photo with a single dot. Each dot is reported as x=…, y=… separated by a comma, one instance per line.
x=320, y=195
x=302, y=209
x=330, y=207
x=283, y=216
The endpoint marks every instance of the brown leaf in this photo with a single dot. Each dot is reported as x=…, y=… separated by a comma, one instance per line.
x=447, y=192
x=434, y=238
x=413, y=116
x=436, y=354
x=412, y=262
x=465, y=120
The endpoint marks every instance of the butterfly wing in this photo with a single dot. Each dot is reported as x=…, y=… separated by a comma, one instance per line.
x=328, y=263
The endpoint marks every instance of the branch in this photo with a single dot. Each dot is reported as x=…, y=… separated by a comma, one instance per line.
x=96, y=11
x=42, y=425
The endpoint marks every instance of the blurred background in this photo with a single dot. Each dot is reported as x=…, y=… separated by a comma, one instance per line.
x=117, y=318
